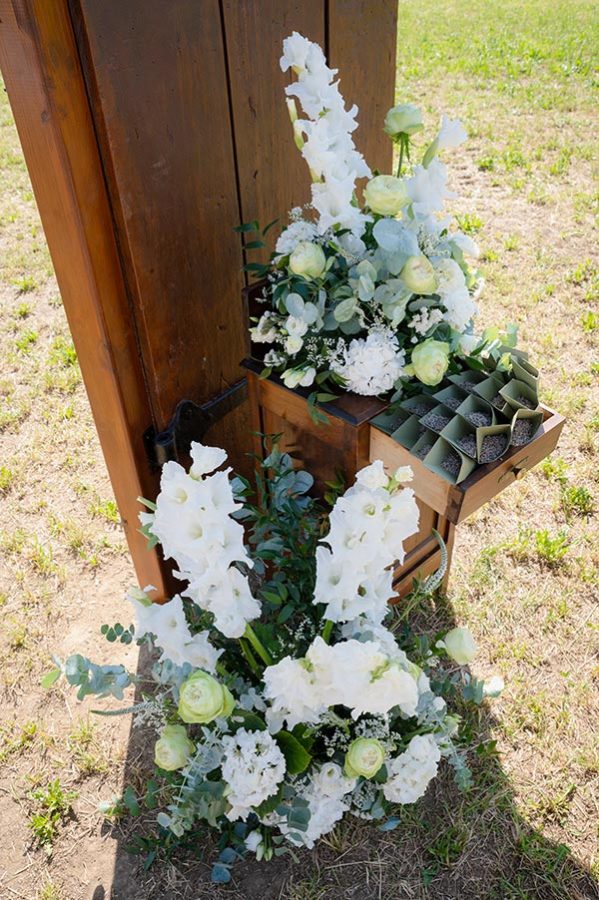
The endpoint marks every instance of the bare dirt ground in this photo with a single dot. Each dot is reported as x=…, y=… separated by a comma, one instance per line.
x=525, y=576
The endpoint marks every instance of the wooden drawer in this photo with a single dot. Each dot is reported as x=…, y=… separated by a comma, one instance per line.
x=457, y=501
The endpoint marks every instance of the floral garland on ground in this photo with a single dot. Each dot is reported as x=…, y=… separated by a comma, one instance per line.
x=282, y=697
x=365, y=297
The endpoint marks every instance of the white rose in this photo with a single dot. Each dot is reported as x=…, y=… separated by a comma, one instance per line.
x=460, y=645
x=419, y=275
x=386, y=194
x=403, y=119
x=308, y=260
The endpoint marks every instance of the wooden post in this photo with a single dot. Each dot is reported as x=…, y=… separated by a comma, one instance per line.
x=150, y=129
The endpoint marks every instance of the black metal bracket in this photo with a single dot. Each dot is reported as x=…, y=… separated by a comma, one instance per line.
x=190, y=422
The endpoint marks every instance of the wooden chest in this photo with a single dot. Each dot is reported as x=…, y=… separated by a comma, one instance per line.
x=350, y=441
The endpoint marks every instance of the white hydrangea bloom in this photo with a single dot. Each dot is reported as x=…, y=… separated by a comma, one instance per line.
x=411, y=772
x=253, y=766
x=328, y=801
x=371, y=365
x=293, y=234
x=167, y=622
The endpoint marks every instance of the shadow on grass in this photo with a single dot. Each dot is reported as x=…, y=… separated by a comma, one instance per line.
x=451, y=845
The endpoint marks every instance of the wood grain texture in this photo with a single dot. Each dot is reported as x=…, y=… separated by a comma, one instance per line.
x=273, y=176
x=41, y=71
x=157, y=75
x=362, y=44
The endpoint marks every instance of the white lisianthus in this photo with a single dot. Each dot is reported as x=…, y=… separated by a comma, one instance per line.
x=308, y=260
x=452, y=133
x=266, y=329
x=295, y=326
x=327, y=797
x=403, y=474
x=403, y=119
x=419, y=275
x=173, y=748
x=460, y=645
x=253, y=841
x=253, y=766
x=411, y=772
x=302, y=377
x=460, y=308
x=386, y=194
x=427, y=188
x=293, y=344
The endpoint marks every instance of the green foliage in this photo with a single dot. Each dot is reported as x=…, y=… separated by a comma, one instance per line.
x=551, y=548
x=296, y=756
x=53, y=806
x=577, y=500
x=103, y=681
x=26, y=340
x=118, y=632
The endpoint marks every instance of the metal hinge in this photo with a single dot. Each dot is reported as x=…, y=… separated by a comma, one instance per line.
x=190, y=422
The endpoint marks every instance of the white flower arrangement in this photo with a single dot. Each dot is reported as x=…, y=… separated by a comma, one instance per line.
x=284, y=699
x=352, y=292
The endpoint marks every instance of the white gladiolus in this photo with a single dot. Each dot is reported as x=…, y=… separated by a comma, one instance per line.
x=451, y=134
x=427, y=188
x=367, y=528
x=327, y=147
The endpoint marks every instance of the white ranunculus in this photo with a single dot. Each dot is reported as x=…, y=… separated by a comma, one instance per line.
x=460, y=645
x=292, y=693
x=403, y=119
x=430, y=361
x=450, y=277
x=307, y=260
x=364, y=757
x=295, y=326
x=394, y=687
x=293, y=344
x=386, y=194
x=203, y=699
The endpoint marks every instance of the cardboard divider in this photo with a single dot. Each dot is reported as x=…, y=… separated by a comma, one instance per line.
x=490, y=390
x=514, y=390
x=467, y=381
x=424, y=444
x=451, y=396
x=418, y=405
x=390, y=420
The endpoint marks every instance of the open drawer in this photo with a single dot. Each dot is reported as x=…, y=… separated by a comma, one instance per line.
x=457, y=501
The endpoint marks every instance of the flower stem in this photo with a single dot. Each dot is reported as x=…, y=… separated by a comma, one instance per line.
x=326, y=631
x=401, y=152
x=250, y=658
x=257, y=644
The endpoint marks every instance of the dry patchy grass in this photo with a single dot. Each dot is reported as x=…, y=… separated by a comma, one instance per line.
x=525, y=576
